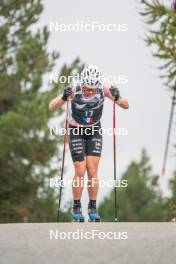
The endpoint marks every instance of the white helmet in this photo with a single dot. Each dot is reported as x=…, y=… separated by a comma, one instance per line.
x=91, y=76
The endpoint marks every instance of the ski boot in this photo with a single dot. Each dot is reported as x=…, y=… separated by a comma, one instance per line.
x=93, y=215
x=77, y=213
x=92, y=212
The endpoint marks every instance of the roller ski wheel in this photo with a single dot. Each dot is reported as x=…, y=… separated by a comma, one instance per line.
x=93, y=215
x=78, y=216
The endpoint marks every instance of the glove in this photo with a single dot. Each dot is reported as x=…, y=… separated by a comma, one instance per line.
x=115, y=92
x=67, y=92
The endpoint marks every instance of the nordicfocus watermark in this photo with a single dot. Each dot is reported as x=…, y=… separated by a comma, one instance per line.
x=74, y=79
x=92, y=26
x=80, y=234
x=56, y=182
x=88, y=131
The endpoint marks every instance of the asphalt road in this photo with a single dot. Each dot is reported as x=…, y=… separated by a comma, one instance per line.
x=67, y=243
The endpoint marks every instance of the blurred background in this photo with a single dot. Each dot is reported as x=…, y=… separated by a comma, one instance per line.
x=31, y=52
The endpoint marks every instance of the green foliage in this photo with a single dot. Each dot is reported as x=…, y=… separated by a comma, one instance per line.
x=162, y=35
x=141, y=200
x=26, y=147
x=171, y=203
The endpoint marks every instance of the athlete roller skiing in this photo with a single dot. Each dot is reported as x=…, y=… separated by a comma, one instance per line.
x=87, y=100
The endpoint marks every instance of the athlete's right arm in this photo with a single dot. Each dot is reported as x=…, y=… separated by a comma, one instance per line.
x=56, y=103
x=59, y=101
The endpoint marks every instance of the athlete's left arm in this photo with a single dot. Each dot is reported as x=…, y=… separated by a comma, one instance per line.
x=113, y=92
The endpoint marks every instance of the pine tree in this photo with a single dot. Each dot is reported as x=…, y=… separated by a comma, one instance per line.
x=161, y=21
x=26, y=148
x=141, y=200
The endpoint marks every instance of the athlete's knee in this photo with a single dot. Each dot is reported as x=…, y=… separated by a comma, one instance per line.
x=80, y=171
x=78, y=180
x=92, y=172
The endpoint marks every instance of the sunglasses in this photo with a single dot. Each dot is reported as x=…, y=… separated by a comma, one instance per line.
x=89, y=89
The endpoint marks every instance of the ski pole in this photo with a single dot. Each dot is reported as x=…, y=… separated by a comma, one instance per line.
x=63, y=162
x=169, y=131
x=114, y=150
